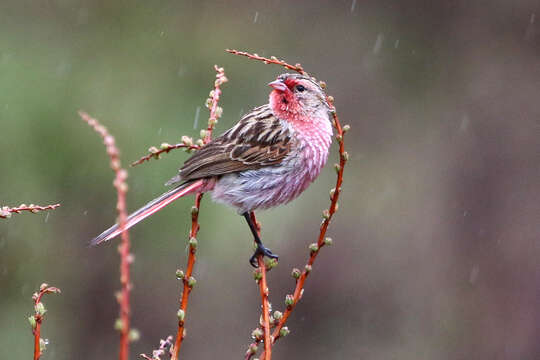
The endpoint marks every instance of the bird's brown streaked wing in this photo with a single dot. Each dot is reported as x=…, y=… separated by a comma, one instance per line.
x=259, y=139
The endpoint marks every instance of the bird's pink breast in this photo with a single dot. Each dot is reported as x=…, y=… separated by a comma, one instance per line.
x=276, y=185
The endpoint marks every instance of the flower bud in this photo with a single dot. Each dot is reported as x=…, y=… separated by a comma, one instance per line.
x=165, y=145
x=337, y=168
x=257, y=334
x=194, y=210
x=252, y=348
x=153, y=149
x=32, y=321
x=346, y=128
x=200, y=142
x=40, y=309
x=345, y=156
x=212, y=122
x=191, y=281
x=289, y=300
x=203, y=133
x=43, y=286
x=118, y=324
x=187, y=140
x=180, y=274
x=308, y=268
x=296, y=273
x=181, y=315
x=219, y=111
x=332, y=192
x=328, y=241
x=313, y=248
x=134, y=335
x=278, y=315
x=4, y=213
x=326, y=214
x=43, y=345
x=271, y=263
x=193, y=242
x=257, y=274
x=284, y=331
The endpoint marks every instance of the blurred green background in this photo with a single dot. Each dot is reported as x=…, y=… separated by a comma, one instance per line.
x=437, y=246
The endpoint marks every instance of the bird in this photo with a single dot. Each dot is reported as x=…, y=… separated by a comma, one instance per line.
x=266, y=159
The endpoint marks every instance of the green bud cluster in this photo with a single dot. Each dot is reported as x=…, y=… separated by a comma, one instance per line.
x=289, y=300
x=180, y=274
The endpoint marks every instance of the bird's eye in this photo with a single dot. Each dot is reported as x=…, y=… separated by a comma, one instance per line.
x=300, y=88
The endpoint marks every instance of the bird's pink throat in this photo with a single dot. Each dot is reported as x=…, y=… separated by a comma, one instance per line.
x=286, y=107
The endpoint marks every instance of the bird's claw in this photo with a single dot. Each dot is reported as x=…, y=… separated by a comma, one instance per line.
x=261, y=250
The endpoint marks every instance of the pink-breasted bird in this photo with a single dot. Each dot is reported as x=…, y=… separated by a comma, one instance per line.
x=267, y=159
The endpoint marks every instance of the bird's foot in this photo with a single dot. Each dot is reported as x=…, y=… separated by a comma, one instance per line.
x=261, y=250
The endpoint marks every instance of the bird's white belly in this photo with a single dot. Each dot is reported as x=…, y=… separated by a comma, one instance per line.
x=263, y=188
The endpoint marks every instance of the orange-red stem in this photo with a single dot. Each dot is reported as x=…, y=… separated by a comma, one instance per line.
x=264, y=291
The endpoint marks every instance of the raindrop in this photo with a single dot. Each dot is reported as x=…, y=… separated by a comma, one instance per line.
x=196, y=121
x=181, y=71
x=396, y=44
x=353, y=5
x=474, y=274
x=378, y=43
x=464, y=123
x=85, y=212
x=82, y=16
x=529, y=32
x=63, y=68
x=159, y=131
x=47, y=216
x=255, y=17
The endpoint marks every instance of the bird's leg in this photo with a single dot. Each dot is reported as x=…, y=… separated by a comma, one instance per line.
x=260, y=250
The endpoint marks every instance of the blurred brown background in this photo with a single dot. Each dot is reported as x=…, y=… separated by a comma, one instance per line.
x=437, y=244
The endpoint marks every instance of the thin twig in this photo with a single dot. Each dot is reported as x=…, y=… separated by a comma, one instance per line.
x=272, y=60
x=37, y=319
x=154, y=152
x=125, y=257
x=187, y=278
x=264, y=291
x=6, y=211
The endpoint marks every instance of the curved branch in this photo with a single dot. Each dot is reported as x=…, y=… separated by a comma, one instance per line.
x=6, y=211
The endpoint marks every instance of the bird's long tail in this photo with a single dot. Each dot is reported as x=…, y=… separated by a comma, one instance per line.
x=148, y=209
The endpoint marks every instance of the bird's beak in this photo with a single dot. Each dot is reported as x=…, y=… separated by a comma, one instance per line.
x=278, y=85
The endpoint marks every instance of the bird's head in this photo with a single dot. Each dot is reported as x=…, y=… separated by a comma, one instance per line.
x=297, y=96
